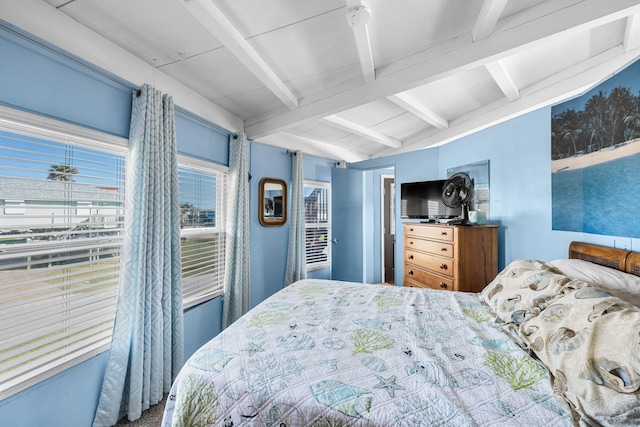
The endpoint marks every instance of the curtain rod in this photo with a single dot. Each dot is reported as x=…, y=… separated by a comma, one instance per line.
x=184, y=111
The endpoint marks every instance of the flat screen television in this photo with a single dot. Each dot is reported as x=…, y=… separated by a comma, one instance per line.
x=424, y=200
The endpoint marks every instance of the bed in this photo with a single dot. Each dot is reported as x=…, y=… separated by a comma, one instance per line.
x=330, y=353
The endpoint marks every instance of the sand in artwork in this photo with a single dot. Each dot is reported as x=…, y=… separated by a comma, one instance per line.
x=604, y=155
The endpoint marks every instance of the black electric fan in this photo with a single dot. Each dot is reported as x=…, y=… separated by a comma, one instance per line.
x=457, y=192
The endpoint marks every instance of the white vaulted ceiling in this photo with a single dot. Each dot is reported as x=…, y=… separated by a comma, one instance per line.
x=418, y=73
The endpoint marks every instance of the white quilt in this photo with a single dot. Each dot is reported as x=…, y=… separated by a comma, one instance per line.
x=326, y=353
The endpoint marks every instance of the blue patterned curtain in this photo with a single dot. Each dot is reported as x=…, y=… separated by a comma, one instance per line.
x=237, y=273
x=147, y=348
x=296, y=256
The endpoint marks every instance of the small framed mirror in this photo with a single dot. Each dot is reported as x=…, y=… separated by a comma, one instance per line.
x=273, y=201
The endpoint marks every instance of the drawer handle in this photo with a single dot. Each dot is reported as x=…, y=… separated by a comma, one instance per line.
x=444, y=233
x=443, y=266
x=410, y=256
x=443, y=249
x=410, y=272
x=411, y=242
x=411, y=229
x=443, y=285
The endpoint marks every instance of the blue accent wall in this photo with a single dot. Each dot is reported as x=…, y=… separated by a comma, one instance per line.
x=416, y=166
x=201, y=323
x=39, y=78
x=198, y=138
x=269, y=244
x=519, y=154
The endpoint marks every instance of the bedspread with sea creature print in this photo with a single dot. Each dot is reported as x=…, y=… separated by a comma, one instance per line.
x=328, y=353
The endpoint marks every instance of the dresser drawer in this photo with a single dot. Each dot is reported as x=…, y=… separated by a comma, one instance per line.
x=430, y=246
x=413, y=283
x=431, y=232
x=443, y=266
x=417, y=277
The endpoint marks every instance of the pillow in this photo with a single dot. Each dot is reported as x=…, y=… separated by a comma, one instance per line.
x=620, y=284
x=590, y=342
x=524, y=288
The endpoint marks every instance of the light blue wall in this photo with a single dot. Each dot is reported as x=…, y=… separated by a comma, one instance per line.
x=416, y=166
x=520, y=187
x=199, y=138
x=520, y=184
x=37, y=77
x=269, y=244
x=201, y=323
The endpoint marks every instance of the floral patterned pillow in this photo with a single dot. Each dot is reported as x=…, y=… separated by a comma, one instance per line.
x=524, y=288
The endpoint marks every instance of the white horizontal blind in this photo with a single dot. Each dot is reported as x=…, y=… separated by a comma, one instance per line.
x=202, y=195
x=317, y=224
x=61, y=224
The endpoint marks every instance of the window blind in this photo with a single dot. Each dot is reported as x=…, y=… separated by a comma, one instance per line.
x=61, y=223
x=317, y=224
x=202, y=193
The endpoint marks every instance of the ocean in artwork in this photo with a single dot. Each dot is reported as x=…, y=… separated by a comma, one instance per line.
x=598, y=199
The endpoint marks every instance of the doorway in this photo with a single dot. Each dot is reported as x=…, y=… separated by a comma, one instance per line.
x=388, y=227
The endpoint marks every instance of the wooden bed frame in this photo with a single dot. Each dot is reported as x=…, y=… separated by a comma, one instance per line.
x=619, y=259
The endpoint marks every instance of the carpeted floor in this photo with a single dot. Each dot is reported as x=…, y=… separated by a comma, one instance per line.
x=150, y=418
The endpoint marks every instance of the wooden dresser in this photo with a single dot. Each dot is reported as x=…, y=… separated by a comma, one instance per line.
x=451, y=257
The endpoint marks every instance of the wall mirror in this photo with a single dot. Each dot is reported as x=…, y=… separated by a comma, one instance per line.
x=273, y=199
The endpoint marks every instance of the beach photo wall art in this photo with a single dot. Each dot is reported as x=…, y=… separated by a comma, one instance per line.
x=595, y=158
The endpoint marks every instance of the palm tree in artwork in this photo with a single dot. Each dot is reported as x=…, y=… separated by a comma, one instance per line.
x=62, y=172
x=632, y=121
x=595, y=111
x=571, y=128
x=620, y=103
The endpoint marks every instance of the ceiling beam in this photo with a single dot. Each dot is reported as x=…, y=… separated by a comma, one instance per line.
x=488, y=18
x=502, y=77
x=569, y=83
x=450, y=57
x=363, y=131
x=214, y=21
x=632, y=33
x=311, y=146
x=358, y=15
x=413, y=106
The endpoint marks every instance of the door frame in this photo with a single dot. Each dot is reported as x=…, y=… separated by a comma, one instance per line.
x=392, y=220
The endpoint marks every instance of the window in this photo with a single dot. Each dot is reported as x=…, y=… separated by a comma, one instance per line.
x=202, y=196
x=317, y=224
x=14, y=207
x=62, y=207
x=60, y=242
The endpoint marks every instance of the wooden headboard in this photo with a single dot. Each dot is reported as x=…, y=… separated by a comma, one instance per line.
x=619, y=259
